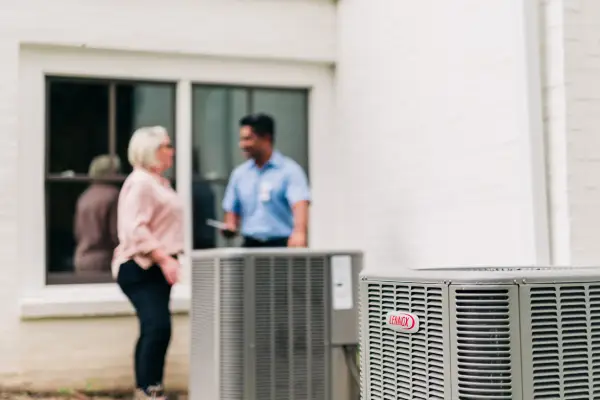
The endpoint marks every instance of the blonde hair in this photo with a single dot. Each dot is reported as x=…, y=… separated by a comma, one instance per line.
x=104, y=165
x=143, y=145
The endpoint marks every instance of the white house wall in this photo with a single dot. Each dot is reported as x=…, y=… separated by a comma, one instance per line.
x=300, y=30
x=571, y=76
x=85, y=353
x=96, y=352
x=580, y=37
x=555, y=120
x=433, y=103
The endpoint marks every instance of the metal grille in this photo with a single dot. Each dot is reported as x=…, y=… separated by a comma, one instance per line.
x=484, y=335
x=291, y=356
x=231, y=347
x=202, y=322
x=513, y=269
x=406, y=366
x=565, y=341
x=362, y=344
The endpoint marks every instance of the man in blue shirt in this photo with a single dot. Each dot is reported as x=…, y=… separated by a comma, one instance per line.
x=268, y=194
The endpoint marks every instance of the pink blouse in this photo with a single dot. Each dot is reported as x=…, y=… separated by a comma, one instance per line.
x=150, y=216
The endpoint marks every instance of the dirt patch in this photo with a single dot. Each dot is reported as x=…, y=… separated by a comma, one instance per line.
x=74, y=396
x=19, y=396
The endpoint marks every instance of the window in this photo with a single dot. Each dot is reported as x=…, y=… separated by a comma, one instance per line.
x=216, y=111
x=87, y=118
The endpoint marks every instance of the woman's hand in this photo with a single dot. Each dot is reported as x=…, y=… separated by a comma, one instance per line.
x=170, y=269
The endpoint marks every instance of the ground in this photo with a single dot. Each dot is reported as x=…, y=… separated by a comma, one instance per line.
x=25, y=396
x=17, y=396
x=77, y=396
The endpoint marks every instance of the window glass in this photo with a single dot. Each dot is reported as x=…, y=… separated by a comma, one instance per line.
x=143, y=104
x=81, y=234
x=97, y=118
x=216, y=111
x=289, y=109
x=215, y=150
x=77, y=119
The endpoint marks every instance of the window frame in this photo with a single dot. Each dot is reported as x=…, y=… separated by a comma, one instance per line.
x=62, y=278
x=39, y=300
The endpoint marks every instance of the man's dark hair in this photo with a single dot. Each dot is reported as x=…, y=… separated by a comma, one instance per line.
x=262, y=125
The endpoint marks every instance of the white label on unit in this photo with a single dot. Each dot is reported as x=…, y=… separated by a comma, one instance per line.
x=400, y=321
x=341, y=281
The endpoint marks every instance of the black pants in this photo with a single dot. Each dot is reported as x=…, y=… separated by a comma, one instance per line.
x=149, y=292
x=276, y=242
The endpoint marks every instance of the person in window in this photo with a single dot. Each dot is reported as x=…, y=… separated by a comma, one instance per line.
x=150, y=228
x=269, y=193
x=96, y=218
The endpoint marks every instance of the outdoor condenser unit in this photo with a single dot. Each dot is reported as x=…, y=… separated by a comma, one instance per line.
x=481, y=334
x=265, y=323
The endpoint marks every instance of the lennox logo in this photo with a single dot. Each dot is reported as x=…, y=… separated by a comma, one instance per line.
x=402, y=321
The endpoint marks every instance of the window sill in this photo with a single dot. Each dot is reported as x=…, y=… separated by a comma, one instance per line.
x=91, y=300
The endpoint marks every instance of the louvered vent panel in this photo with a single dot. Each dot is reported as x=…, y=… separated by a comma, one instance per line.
x=290, y=328
x=362, y=338
x=484, y=337
x=565, y=335
x=405, y=366
x=202, y=323
x=232, y=329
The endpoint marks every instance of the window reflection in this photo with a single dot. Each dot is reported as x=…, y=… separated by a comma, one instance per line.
x=95, y=225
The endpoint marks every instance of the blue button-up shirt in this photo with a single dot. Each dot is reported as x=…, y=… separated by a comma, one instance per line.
x=263, y=197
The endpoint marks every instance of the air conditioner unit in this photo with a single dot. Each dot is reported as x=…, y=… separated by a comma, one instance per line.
x=264, y=322
x=485, y=333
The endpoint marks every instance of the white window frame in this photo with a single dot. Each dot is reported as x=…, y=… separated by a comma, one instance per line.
x=37, y=61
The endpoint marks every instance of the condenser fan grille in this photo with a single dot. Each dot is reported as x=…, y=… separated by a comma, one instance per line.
x=291, y=328
x=405, y=366
x=565, y=341
x=483, y=344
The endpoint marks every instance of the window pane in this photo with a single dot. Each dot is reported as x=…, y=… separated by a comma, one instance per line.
x=143, y=104
x=77, y=119
x=216, y=112
x=289, y=109
x=206, y=204
x=216, y=115
x=81, y=233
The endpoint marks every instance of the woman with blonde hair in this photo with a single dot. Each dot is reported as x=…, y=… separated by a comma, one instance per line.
x=150, y=230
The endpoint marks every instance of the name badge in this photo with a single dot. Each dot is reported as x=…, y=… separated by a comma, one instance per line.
x=265, y=191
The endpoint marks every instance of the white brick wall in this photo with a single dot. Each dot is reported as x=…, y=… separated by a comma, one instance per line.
x=96, y=353
x=571, y=69
x=93, y=354
x=301, y=30
x=582, y=95
x=9, y=277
